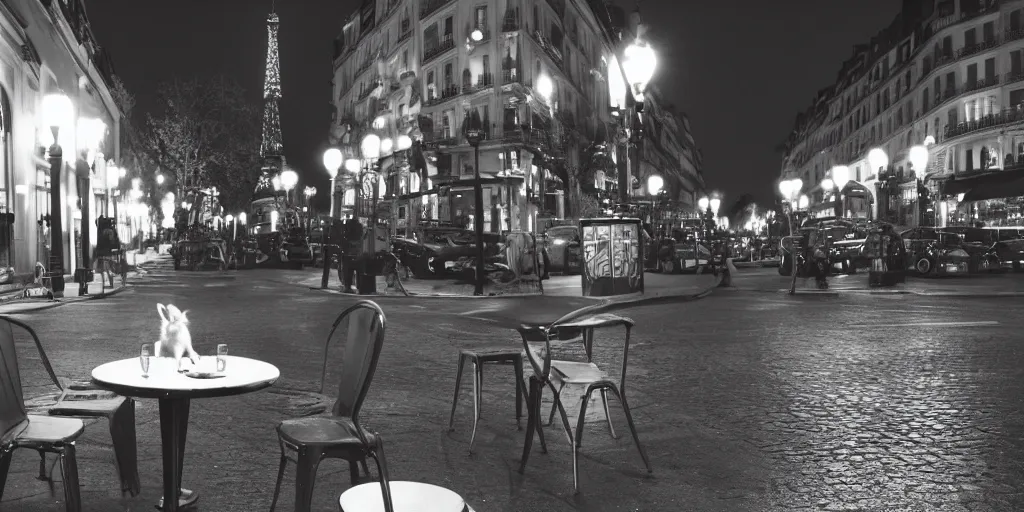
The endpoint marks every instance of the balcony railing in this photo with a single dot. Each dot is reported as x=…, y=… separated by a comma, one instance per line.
x=967, y=51
x=980, y=84
x=446, y=94
x=446, y=44
x=1005, y=117
x=432, y=6
x=510, y=24
x=1010, y=78
x=1013, y=35
x=549, y=49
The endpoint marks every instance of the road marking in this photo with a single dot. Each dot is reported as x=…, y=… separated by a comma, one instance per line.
x=214, y=285
x=417, y=307
x=484, y=319
x=983, y=323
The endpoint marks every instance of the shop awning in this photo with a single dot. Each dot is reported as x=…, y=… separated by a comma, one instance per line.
x=989, y=185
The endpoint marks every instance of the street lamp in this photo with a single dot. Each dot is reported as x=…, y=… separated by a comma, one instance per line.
x=639, y=62
x=654, y=185
x=159, y=179
x=715, y=203
x=636, y=67
x=370, y=148
x=475, y=134
x=918, y=157
x=57, y=113
x=878, y=160
x=545, y=87
x=90, y=137
x=289, y=179
x=333, y=160
x=840, y=177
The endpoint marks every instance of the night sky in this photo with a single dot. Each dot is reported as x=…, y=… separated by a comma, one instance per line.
x=741, y=69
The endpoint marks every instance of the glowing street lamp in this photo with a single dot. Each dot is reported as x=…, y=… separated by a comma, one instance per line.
x=289, y=179
x=476, y=35
x=403, y=142
x=878, y=160
x=545, y=87
x=918, y=157
x=654, y=185
x=57, y=114
x=827, y=184
x=639, y=63
x=714, y=204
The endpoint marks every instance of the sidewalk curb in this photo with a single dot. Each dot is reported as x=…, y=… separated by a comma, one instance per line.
x=56, y=303
x=613, y=305
x=863, y=291
x=436, y=296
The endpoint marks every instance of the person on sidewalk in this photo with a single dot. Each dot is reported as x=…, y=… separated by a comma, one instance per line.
x=351, y=245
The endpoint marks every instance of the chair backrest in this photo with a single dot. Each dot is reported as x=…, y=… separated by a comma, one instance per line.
x=12, y=400
x=362, y=342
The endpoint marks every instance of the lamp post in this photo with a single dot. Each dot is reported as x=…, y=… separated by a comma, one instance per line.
x=879, y=162
x=790, y=190
x=704, y=203
x=474, y=134
x=638, y=63
x=333, y=160
x=57, y=113
x=918, y=157
x=90, y=136
x=370, y=148
x=654, y=185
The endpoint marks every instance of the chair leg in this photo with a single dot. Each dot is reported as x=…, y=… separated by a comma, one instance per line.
x=5, y=466
x=366, y=470
x=353, y=472
x=572, y=444
x=558, y=394
x=632, y=429
x=476, y=401
x=42, y=466
x=538, y=424
x=122, y=433
x=458, y=385
x=305, y=477
x=382, y=467
x=518, y=365
x=582, y=416
x=607, y=414
x=531, y=421
x=480, y=388
x=69, y=474
x=280, y=478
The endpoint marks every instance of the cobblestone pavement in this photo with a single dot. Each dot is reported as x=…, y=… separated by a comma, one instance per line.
x=743, y=401
x=994, y=284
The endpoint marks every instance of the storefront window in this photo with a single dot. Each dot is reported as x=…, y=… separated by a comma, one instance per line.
x=990, y=213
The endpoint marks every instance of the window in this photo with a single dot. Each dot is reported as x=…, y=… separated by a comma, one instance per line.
x=405, y=60
x=1016, y=98
x=509, y=159
x=448, y=27
x=972, y=75
x=1015, y=21
x=925, y=99
x=989, y=32
x=990, y=70
x=431, y=86
x=480, y=16
x=970, y=38
x=430, y=40
x=1016, y=61
x=487, y=64
x=448, y=76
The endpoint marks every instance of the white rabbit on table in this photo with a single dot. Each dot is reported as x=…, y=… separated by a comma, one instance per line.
x=175, y=340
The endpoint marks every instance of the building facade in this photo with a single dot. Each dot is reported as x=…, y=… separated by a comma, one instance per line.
x=946, y=74
x=668, y=150
x=534, y=72
x=48, y=47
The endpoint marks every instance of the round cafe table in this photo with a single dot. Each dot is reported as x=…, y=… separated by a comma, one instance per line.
x=175, y=391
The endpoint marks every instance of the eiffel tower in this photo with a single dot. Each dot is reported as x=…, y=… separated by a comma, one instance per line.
x=272, y=146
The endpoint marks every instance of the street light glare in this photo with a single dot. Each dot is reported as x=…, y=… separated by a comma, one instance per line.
x=404, y=142
x=840, y=176
x=386, y=145
x=877, y=159
x=918, y=157
x=370, y=146
x=654, y=185
x=289, y=179
x=639, y=61
x=827, y=184
x=545, y=87
x=703, y=203
x=352, y=165
x=476, y=35
x=332, y=161
x=57, y=110
x=715, y=203
x=159, y=179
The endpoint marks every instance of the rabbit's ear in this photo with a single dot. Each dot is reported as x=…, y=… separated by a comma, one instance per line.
x=164, y=314
x=183, y=317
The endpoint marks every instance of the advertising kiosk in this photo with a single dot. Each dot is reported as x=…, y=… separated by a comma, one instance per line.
x=612, y=256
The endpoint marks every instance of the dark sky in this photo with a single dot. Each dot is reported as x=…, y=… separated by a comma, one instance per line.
x=741, y=69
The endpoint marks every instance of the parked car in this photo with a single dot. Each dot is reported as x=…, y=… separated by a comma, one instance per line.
x=433, y=257
x=1006, y=255
x=978, y=244
x=562, y=246
x=934, y=252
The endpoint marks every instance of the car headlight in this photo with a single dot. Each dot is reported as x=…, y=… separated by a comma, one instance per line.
x=558, y=241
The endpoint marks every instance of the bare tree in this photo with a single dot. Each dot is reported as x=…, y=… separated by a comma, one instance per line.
x=207, y=134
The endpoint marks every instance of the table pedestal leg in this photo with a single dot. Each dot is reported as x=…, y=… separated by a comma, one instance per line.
x=173, y=428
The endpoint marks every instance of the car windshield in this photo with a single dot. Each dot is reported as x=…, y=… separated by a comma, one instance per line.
x=566, y=232
x=950, y=239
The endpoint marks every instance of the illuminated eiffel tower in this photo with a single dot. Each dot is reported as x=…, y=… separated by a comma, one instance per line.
x=272, y=146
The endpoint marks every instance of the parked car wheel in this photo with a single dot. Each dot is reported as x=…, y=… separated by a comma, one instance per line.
x=923, y=265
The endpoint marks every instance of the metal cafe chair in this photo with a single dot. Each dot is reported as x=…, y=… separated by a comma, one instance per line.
x=19, y=429
x=83, y=400
x=310, y=440
x=478, y=358
x=557, y=374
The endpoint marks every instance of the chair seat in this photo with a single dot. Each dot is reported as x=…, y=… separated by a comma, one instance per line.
x=92, y=404
x=492, y=354
x=321, y=430
x=597, y=321
x=48, y=430
x=572, y=372
x=405, y=496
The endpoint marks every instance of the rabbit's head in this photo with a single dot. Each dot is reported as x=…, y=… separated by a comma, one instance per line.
x=171, y=315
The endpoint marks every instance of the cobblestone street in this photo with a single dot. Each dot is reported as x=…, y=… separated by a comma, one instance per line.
x=744, y=401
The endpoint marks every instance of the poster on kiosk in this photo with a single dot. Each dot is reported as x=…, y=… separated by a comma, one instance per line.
x=612, y=257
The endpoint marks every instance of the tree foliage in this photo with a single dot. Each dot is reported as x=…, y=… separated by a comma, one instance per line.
x=134, y=157
x=206, y=134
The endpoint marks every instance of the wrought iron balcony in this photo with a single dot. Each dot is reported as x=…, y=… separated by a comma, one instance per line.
x=484, y=80
x=510, y=24
x=432, y=6
x=967, y=51
x=1013, y=35
x=1009, y=116
x=446, y=44
x=1010, y=78
x=980, y=84
x=446, y=94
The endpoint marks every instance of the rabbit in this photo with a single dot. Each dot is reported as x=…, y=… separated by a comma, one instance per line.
x=175, y=340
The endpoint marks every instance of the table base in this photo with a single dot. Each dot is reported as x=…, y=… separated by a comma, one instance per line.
x=173, y=430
